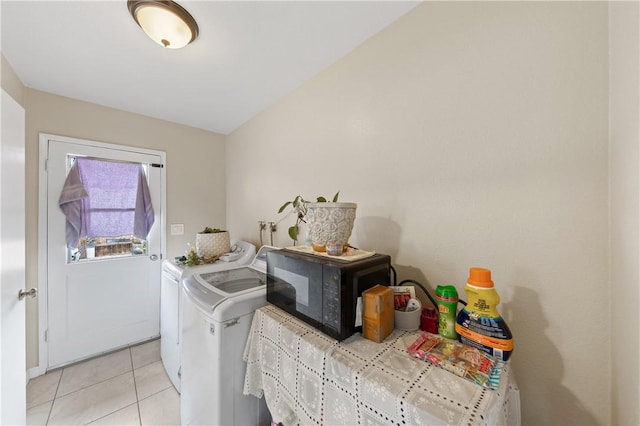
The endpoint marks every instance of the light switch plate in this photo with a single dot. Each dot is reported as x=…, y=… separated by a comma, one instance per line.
x=177, y=229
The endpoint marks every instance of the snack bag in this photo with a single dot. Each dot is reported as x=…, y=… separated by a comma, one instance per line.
x=462, y=360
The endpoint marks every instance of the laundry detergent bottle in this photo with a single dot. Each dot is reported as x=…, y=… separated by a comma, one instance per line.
x=479, y=324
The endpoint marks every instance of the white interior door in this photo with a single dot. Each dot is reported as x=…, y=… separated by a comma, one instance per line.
x=103, y=303
x=13, y=372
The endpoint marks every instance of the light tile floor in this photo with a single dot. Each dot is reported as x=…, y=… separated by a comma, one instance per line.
x=128, y=387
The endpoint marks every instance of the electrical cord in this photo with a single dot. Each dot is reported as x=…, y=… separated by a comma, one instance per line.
x=395, y=276
x=431, y=299
x=423, y=289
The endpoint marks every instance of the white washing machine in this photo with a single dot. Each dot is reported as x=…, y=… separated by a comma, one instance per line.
x=218, y=310
x=242, y=254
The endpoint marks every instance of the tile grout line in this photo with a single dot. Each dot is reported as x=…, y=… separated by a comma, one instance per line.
x=63, y=369
x=92, y=384
x=135, y=386
x=95, y=384
x=155, y=393
x=55, y=395
x=108, y=414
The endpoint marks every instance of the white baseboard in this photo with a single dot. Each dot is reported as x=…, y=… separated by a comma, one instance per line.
x=35, y=372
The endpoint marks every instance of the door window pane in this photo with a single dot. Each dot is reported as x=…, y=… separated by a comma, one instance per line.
x=106, y=247
x=111, y=206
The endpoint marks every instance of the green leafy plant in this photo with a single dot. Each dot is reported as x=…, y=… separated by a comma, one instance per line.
x=192, y=258
x=299, y=204
x=208, y=230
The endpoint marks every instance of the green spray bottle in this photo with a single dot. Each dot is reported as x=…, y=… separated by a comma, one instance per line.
x=447, y=300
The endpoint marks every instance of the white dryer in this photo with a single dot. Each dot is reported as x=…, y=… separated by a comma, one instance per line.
x=242, y=254
x=218, y=310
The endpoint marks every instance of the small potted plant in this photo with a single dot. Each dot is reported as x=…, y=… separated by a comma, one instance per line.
x=211, y=243
x=327, y=222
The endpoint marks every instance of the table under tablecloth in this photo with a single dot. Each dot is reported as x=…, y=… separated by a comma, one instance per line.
x=308, y=378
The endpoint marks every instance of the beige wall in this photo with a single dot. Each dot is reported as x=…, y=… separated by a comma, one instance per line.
x=624, y=80
x=10, y=81
x=195, y=171
x=469, y=134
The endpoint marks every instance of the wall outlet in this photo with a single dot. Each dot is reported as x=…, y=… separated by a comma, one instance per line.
x=177, y=229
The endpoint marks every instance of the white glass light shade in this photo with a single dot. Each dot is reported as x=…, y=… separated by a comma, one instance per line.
x=165, y=22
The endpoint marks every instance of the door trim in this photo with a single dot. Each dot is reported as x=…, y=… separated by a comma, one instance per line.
x=44, y=138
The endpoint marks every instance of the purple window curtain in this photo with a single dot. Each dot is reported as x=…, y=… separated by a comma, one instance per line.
x=117, y=200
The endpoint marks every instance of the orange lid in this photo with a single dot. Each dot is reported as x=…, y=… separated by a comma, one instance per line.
x=480, y=277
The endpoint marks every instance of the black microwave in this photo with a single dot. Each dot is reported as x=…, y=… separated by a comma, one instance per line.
x=323, y=291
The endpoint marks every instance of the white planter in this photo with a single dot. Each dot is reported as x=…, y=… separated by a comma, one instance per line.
x=330, y=222
x=212, y=245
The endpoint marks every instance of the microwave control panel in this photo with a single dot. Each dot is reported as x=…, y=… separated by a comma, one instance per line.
x=331, y=297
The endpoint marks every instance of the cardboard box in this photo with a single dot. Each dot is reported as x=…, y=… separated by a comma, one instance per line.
x=377, y=313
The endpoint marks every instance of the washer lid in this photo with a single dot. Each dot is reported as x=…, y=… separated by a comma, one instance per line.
x=239, y=285
x=202, y=296
x=233, y=280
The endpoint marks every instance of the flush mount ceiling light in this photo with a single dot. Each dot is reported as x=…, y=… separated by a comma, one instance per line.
x=166, y=22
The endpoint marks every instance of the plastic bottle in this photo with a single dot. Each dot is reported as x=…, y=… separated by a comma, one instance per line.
x=429, y=320
x=479, y=324
x=447, y=300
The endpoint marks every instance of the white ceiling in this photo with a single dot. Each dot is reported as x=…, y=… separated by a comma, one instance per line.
x=247, y=56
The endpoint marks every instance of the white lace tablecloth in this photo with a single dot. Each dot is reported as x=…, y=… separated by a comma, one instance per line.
x=309, y=378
